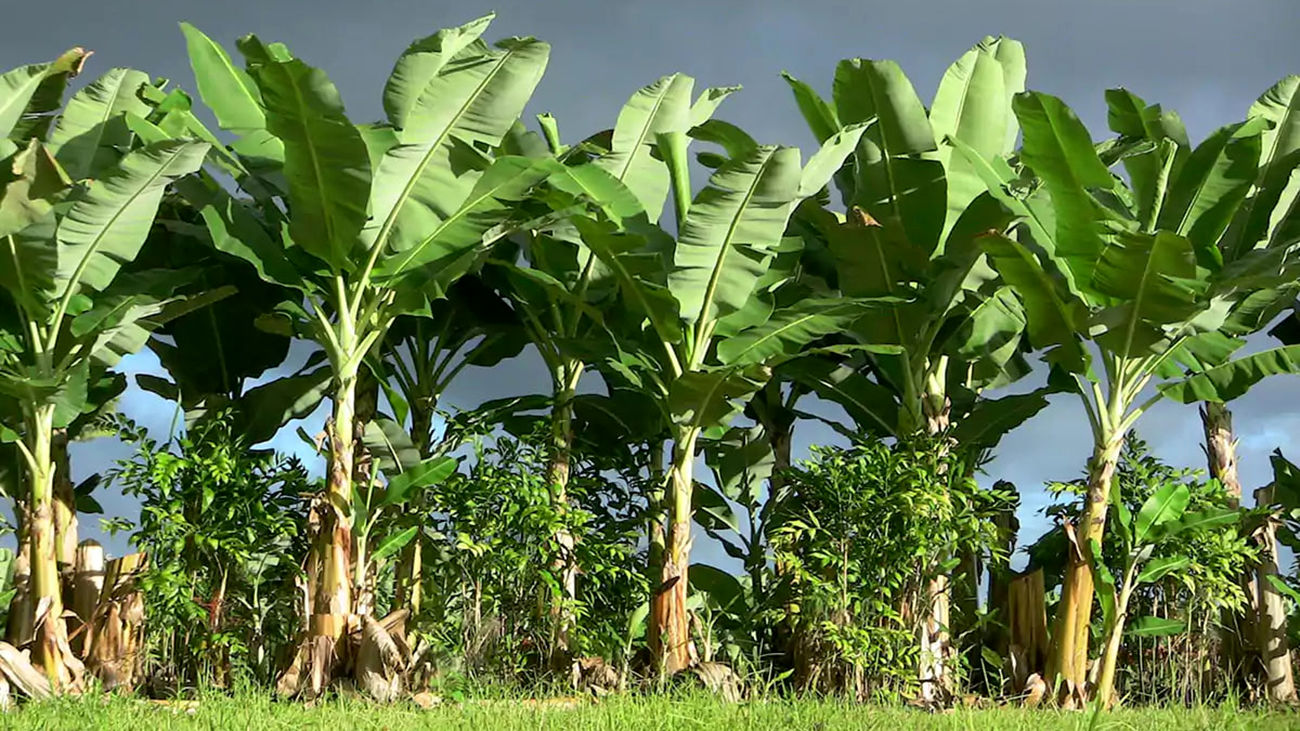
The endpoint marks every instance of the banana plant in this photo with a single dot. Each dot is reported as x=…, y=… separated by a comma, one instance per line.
x=1265, y=220
x=1162, y=517
x=1128, y=276
x=78, y=203
x=559, y=287
x=416, y=363
x=916, y=209
x=364, y=222
x=700, y=329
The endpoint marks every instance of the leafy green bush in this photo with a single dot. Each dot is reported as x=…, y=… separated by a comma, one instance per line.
x=223, y=526
x=865, y=531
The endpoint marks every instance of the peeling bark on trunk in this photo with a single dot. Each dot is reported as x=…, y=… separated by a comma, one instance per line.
x=1000, y=578
x=366, y=405
x=1069, y=657
x=116, y=652
x=329, y=581
x=671, y=644
x=1272, y=625
x=656, y=530
x=18, y=629
x=88, y=585
x=50, y=648
x=1221, y=454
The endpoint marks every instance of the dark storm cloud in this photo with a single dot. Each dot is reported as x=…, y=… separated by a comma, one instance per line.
x=1208, y=60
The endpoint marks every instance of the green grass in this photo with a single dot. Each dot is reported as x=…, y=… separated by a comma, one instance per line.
x=624, y=712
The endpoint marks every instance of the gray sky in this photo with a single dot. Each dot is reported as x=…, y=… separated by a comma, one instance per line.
x=1206, y=59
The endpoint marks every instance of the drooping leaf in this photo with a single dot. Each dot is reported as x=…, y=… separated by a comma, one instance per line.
x=1226, y=382
x=1158, y=568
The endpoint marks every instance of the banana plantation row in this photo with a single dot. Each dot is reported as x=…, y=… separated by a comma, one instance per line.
x=917, y=262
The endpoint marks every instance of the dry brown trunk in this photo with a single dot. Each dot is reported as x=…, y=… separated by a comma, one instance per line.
x=87, y=586
x=1027, y=648
x=329, y=597
x=670, y=620
x=1000, y=578
x=1272, y=625
x=1069, y=656
x=118, y=627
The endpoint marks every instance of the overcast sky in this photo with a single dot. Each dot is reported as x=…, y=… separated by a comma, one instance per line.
x=1207, y=60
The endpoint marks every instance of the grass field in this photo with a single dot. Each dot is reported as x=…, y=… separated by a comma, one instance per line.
x=624, y=712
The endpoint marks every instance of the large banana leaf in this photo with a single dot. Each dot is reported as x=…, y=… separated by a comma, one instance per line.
x=449, y=96
x=662, y=107
x=325, y=158
x=92, y=131
x=1232, y=379
x=871, y=406
x=108, y=222
x=1277, y=187
x=1131, y=117
x=973, y=104
x=790, y=329
x=1058, y=148
x=731, y=231
x=228, y=90
x=899, y=179
x=1055, y=318
x=506, y=182
x=1212, y=184
x=30, y=94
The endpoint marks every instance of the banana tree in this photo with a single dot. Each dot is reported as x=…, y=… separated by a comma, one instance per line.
x=559, y=288
x=702, y=330
x=1266, y=219
x=1127, y=276
x=364, y=222
x=916, y=210
x=78, y=204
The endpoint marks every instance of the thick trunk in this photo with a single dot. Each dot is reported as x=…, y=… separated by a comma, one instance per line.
x=1272, y=625
x=1221, y=448
x=1237, y=629
x=672, y=646
x=331, y=594
x=65, y=507
x=1069, y=658
x=45, y=585
x=18, y=629
x=565, y=564
x=88, y=585
x=1026, y=619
